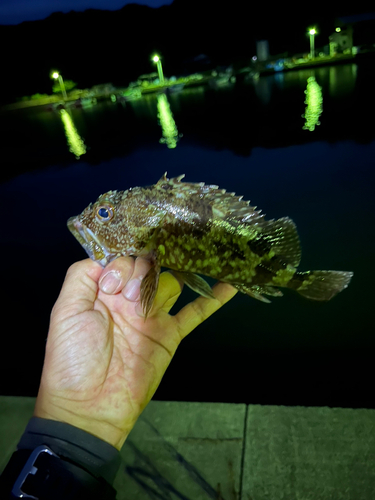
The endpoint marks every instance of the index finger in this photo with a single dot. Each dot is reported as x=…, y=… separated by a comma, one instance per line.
x=116, y=275
x=200, y=309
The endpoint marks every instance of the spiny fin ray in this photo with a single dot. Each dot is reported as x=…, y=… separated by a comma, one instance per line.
x=281, y=236
x=227, y=206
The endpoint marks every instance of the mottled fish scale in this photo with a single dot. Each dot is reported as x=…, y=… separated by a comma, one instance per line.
x=235, y=210
x=198, y=228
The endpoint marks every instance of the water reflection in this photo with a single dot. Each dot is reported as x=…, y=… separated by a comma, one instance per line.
x=342, y=80
x=75, y=142
x=279, y=80
x=168, y=125
x=263, y=89
x=204, y=116
x=314, y=101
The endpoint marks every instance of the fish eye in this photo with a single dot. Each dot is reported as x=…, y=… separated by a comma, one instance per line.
x=104, y=213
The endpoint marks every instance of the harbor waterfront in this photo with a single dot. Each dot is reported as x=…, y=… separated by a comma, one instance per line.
x=295, y=143
x=187, y=193
x=212, y=77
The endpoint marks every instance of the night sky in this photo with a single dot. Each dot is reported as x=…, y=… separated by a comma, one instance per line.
x=17, y=11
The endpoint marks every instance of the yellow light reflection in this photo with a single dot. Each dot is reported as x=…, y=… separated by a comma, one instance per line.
x=314, y=101
x=75, y=142
x=168, y=125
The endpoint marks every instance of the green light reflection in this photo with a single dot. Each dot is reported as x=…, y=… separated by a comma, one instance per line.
x=75, y=142
x=314, y=101
x=168, y=125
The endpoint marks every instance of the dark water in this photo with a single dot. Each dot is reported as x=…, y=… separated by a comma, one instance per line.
x=247, y=138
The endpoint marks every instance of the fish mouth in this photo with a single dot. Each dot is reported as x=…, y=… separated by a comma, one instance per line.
x=95, y=249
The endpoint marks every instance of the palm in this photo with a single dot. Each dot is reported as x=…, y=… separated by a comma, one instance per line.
x=113, y=353
x=103, y=361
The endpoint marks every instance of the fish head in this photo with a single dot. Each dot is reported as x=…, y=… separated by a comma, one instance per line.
x=104, y=229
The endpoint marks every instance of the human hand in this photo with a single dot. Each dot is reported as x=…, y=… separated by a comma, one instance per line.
x=103, y=360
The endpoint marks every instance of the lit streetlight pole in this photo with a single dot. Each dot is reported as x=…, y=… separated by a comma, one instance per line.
x=57, y=76
x=312, y=33
x=156, y=59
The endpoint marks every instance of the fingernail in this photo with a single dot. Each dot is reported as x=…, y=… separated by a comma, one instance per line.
x=110, y=282
x=132, y=289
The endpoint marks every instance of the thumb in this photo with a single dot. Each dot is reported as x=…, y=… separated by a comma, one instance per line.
x=79, y=289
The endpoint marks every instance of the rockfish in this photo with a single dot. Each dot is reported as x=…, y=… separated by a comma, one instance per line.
x=200, y=229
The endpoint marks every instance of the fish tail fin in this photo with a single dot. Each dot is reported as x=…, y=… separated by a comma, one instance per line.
x=320, y=285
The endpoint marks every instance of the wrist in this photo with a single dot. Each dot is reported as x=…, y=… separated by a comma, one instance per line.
x=63, y=411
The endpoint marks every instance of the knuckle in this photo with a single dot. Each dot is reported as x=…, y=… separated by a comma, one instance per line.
x=77, y=267
x=123, y=265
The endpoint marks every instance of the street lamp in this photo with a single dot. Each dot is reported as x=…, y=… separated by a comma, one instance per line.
x=57, y=76
x=156, y=59
x=312, y=33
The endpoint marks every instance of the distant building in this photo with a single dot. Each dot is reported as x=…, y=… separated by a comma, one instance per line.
x=360, y=26
x=341, y=42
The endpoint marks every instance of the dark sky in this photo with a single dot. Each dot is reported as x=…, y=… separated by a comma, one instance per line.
x=17, y=11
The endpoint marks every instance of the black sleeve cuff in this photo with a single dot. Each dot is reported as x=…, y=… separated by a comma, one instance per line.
x=98, y=457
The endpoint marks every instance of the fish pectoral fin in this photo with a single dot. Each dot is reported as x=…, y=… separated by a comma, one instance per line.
x=149, y=287
x=256, y=291
x=196, y=283
x=270, y=290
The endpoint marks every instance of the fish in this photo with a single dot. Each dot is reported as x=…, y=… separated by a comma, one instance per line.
x=195, y=230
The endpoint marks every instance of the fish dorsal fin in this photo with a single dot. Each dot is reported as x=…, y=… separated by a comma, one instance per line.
x=279, y=235
x=164, y=180
x=224, y=205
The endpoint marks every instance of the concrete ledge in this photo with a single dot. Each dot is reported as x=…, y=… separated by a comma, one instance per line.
x=309, y=453
x=199, y=451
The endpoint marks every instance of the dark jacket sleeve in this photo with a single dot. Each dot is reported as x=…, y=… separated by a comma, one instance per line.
x=80, y=447
x=97, y=456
